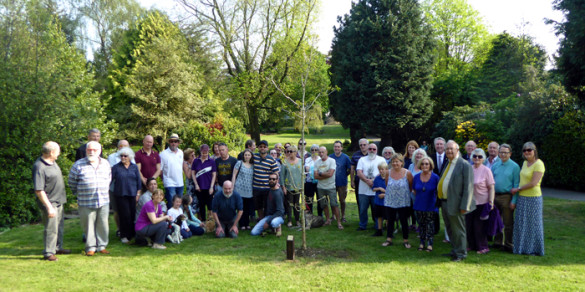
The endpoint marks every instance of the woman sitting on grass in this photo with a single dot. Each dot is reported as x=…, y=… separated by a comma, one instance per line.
x=151, y=222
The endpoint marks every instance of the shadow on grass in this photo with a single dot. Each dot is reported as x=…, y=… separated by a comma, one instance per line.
x=563, y=237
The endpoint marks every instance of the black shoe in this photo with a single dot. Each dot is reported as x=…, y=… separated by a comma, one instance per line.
x=360, y=229
x=378, y=233
x=448, y=255
x=495, y=246
x=507, y=249
x=83, y=238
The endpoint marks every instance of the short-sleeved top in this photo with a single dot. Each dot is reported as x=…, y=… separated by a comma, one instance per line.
x=204, y=172
x=310, y=165
x=397, y=192
x=145, y=198
x=227, y=208
x=243, y=184
x=175, y=213
x=49, y=178
x=343, y=169
x=143, y=219
x=323, y=167
x=426, y=193
x=147, y=162
x=355, y=158
x=172, y=168
x=482, y=179
x=292, y=175
x=379, y=182
x=263, y=167
x=126, y=181
x=370, y=169
x=225, y=169
x=526, y=176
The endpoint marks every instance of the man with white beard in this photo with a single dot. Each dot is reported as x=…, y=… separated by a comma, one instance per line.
x=89, y=180
x=367, y=170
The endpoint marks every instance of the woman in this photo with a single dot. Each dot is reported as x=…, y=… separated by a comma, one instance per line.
x=203, y=174
x=215, y=153
x=151, y=222
x=189, y=157
x=397, y=199
x=127, y=185
x=292, y=179
x=483, y=194
x=424, y=185
x=387, y=152
x=528, y=228
x=414, y=170
x=274, y=154
x=408, y=152
x=311, y=182
x=242, y=177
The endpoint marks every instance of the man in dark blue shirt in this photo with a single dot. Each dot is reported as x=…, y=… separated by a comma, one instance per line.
x=227, y=208
x=274, y=209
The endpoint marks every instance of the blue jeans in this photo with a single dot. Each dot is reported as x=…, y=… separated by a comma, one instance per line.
x=170, y=193
x=364, y=203
x=259, y=227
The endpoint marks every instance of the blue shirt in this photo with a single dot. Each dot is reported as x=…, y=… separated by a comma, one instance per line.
x=379, y=182
x=506, y=175
x=227, y=208
x=126, y=180
x=426, y=193
x=343, y=169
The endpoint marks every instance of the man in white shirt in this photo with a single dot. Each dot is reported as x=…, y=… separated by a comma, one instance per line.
x=171, y=160
x=439, y=158
x=493, y=149
x=367, y=170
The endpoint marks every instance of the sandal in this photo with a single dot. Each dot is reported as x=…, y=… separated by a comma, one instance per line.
x=406, y=244
x=429, y=248
x=340, y=226
x=421, y=247
x=387, y=243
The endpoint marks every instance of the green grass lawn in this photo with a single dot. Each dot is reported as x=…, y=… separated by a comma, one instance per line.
x=347, y=260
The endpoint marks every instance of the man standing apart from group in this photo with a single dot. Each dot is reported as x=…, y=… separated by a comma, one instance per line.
x=326, y=193
x=455, y=191
x=264, y=165
x=89, y=180
x=355, y=180
x=507, y=176
x=342, y=171
x=148, y=161
x=367, y=170
x=171, y=164
x=50, y=190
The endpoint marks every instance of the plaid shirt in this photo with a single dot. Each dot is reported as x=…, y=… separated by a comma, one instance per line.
x=90, y=184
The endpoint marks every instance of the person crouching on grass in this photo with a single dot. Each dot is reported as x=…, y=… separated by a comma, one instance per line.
x=274, y=209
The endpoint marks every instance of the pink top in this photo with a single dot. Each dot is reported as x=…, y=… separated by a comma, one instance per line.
x=143, y=219
x=482, y=178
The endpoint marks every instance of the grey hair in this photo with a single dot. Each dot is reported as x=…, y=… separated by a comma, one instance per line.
x=439, y=139
x=388, y=148
x=94, y=143
x=479, y=151
x=94, y=130
x=530, y=145
x=453, y=141
x=314, y=146
x=506, y=146
x=127, y=151
x=49, y=147
x=363, y=139
x=416, y=152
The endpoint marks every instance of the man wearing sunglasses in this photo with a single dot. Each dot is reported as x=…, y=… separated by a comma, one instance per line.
x=172, y=169
x=274, y=209
x=367, y=170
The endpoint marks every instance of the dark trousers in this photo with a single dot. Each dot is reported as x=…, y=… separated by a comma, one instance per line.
x=157, y=232
x=196, y=230
x=247, y=212
x=226, y=225
x=476, y=230
x=126, y=213
x=403, y=214
x=502, y=202
x=310, y=192
x=293, y=205
x=205, y=200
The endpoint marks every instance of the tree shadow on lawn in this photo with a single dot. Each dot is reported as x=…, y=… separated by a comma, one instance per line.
x=327, y=245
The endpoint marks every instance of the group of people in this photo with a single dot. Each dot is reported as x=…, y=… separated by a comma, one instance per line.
x=472, y=191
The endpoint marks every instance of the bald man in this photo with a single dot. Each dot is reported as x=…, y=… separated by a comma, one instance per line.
x=148, y=161
x=227, y=209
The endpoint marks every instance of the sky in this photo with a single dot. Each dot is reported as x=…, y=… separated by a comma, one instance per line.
x=514, y=16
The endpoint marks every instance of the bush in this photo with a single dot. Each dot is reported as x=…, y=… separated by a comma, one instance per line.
x=222, y=129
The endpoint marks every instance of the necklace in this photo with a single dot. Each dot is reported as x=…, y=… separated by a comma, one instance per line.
x=424, y=188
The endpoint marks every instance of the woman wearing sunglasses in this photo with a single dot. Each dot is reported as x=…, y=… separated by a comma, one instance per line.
x=483, y=194
x=528, y=227
x=127, y=185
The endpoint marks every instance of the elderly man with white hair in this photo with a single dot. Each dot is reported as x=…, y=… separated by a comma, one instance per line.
x=127, y=185
x=367, y=170
x=89, y=180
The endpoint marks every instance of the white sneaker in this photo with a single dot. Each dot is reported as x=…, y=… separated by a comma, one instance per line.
x=158, y=246
x=125, y=240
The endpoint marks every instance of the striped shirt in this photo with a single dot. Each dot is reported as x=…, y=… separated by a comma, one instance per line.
x=90, y=184
x=263, y=167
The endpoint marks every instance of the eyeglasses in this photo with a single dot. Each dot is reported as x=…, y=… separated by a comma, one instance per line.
x=363, y=144
x=123, y=155
x=302, y=143
x=288, y=151
x=272, y=179
x=373, y=149
x=527, y=150
x=174, y=141
x=387, y=152
x=504, y=152
x=425, y=163
x=477, y=156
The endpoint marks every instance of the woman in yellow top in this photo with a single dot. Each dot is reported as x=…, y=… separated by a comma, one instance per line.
x=528, y=227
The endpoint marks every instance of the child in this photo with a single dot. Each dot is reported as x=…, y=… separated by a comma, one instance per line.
x=380, y=188
x=193, y=222
x=176, y=212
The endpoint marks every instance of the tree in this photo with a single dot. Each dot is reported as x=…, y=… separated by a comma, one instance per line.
x=571, y=59
x=46, y=95
x=246, y=32
x=155, y=85
x=382, y=62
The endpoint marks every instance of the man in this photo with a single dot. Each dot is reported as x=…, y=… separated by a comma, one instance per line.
x=439, y=158
x=250, y=145
x=148, y=161
x=264, y=165
x=507, y=176
x=326, y=192
x=455, y=193
x=171, y=165
x=151, y=186
x=341, y=172
x=89, y=180
x=225, y=165
x=227, y=207
x=469, y=147
x=367, y=170
x=114, y=159
x=50, y=190
x=492, y=158
x=93, y=135
x=274, y=209
x=363, y=143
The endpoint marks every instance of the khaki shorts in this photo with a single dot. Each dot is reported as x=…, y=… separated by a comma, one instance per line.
x=327, y=196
